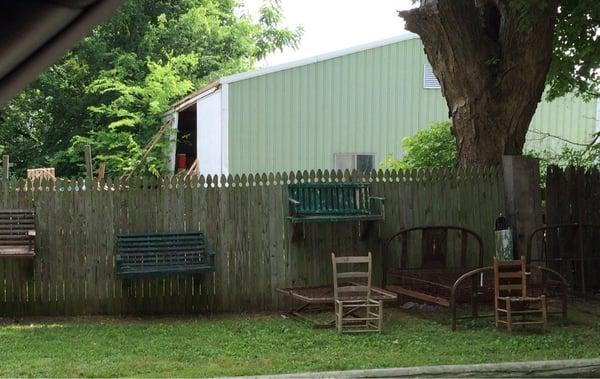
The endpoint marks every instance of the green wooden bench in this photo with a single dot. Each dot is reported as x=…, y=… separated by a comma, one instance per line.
x=333, y=202
x=142, y=255
x=17, y=233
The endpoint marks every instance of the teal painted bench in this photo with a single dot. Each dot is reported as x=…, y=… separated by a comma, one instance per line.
x=333, y=202
x=143, y=255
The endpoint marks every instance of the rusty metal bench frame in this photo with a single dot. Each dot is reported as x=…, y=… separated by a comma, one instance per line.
x=449, y=287
x=573, y=251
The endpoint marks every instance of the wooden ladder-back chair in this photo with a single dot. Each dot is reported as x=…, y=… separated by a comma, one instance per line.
x=355, y=309
x=511, y=300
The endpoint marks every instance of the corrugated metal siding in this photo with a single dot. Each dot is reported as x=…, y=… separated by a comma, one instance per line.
x=564, y=119
x=364, y=102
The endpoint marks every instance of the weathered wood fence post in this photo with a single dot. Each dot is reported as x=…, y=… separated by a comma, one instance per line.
x=523, y=198
x=87, y=152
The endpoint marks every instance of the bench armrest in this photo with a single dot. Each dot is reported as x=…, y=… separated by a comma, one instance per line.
x=293, y=206
x=377, y=205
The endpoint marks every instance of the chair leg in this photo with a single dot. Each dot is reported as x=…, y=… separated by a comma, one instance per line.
x=544, y=314
x=508, y=317
x=338, y=319
x=380, y=321
x=341, y=316
x=497, y=313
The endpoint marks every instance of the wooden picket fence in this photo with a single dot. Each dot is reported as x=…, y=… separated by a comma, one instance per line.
x=573, y=196
x=244, y=219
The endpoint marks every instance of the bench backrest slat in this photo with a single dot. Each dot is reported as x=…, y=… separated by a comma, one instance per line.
x=330, y=198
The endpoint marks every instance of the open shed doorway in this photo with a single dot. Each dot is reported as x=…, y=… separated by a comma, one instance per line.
x=186, y=139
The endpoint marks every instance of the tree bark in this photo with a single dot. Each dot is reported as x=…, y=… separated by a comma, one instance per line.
x=491, y=59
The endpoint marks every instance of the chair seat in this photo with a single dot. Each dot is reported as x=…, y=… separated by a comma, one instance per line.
x=359, y=302
x=521, y=298
x=356, y=299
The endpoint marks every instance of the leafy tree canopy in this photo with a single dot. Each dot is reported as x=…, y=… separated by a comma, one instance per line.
x=576, y=49
x=113, y=88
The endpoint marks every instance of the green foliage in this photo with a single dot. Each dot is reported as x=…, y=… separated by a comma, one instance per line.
x=115, y=86
x=576, y=58
x=118, y=149
x=132, y=114
x=434, y=147
x=586, y=157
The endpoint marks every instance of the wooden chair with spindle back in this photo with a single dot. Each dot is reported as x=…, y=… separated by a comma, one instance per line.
x=355, y=310
x=511, y=300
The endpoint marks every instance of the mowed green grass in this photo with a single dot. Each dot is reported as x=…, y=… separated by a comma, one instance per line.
x=267, y=344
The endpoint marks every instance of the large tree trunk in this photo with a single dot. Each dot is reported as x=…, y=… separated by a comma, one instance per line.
x=491, y=60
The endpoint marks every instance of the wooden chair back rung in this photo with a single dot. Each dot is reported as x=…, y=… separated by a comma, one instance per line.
x=510, y=287
x=352, y=275
x=515, y=274
x=337, y=260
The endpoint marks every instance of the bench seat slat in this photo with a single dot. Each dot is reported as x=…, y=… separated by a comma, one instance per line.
x=158, y=241
x=161, y=272
x=16, y=228
x=159, y=258
x=334, y=218
x=25, y=236
x=165, y=266
x=158, y=236
x=154, y=253
x=165, y=247
x=161, y=262
x=153, y=250
x=7, y=223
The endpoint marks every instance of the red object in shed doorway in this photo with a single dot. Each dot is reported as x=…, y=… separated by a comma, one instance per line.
x=181, y=161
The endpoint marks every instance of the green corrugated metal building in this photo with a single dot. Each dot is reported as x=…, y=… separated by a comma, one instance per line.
x=346, y=109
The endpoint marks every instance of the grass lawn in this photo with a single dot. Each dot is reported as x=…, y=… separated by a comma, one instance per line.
x=264, y=344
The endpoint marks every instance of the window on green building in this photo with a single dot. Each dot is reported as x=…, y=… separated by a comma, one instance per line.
x=353, y=161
